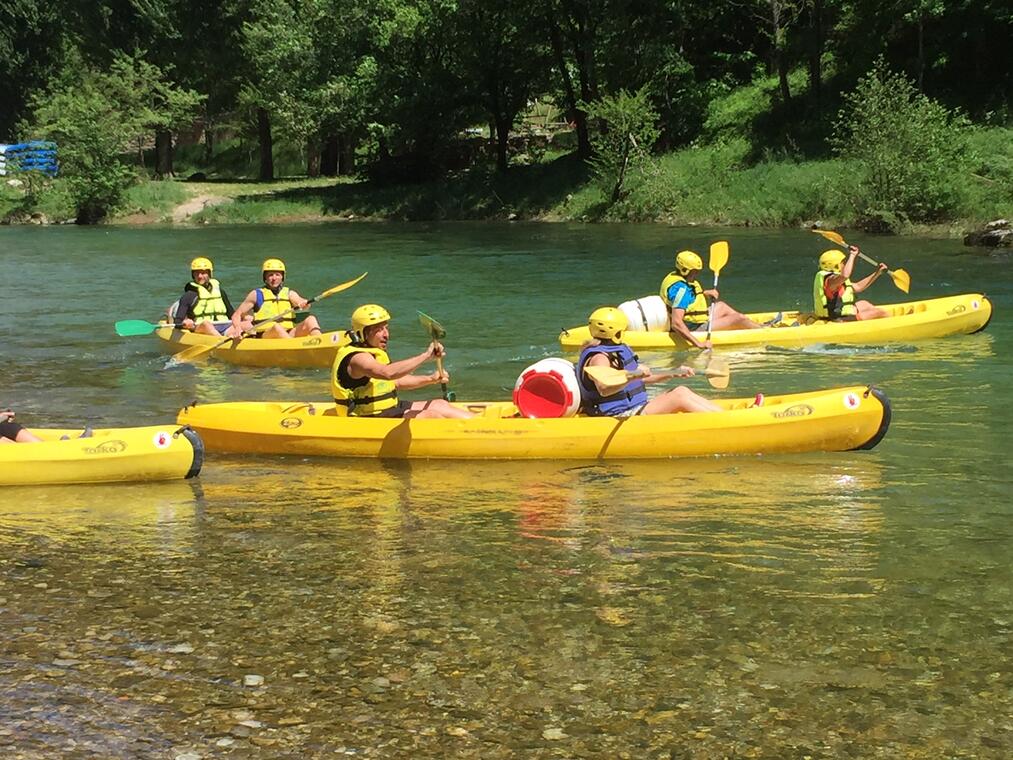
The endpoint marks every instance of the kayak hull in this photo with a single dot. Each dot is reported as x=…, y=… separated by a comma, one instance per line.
x=913, y=320
x=839, y=419
x=311, y=351
x=113, y=455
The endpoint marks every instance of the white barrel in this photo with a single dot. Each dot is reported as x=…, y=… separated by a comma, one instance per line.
x=548, y=388
x=647, y=314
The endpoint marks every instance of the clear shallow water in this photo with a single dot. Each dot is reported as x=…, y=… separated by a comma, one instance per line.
x=829, y=605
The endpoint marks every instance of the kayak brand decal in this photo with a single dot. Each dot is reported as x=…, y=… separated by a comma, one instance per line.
x=960, y=308
x=795, y=410
x=290, y=423
x=314, y=341
x=162, y=440
x=107, y=447
x=851, y=401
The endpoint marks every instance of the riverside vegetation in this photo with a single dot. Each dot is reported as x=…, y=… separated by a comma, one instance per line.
x=854, y=119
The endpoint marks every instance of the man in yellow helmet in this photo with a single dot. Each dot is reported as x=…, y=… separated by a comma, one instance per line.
x=365, y=382
x=834, y=292
x=687, y=302
x=273, y=306
x=606, y=349
x=204, y=306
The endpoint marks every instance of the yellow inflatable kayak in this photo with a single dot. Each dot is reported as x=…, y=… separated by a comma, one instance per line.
x=914, y=320
x=312, y=351
x=113, y=455
x=840, y=419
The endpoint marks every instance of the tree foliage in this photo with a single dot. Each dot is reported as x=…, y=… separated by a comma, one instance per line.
x=627, y=131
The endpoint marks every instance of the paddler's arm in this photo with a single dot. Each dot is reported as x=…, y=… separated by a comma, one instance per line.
x=679, y=326
x=364, y=364
x=649, y=376
x=248, y=305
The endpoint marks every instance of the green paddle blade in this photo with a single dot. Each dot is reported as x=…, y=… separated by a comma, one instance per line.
x=431, y=326
x=126, y=328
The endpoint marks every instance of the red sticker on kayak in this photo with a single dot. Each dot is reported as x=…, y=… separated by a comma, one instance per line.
x=161, y=440
x=851, y=400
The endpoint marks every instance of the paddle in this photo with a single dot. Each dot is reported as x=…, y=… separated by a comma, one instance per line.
x=899, y=276
x=718, y=259
x=436, y=332
x=717, y=374
x=195, y=352
x=127, y=328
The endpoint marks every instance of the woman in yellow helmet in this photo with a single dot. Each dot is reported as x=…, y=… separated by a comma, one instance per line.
x=365, y=382
x=834, y=292
x=687, y=302
x=606, y=349
x=273, y=306
x=204, y=306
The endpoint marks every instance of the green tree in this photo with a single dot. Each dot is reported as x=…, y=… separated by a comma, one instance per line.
x=623, y=143
x=907, y=149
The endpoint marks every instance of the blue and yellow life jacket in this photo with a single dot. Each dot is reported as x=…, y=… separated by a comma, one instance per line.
x=210, y=302
x=634, y=394
x=697, y=311
x=366, y=396
x=270, y=304
x=841, y=305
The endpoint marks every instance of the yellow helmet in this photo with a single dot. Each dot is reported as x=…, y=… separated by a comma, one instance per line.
x=273, y=265
x=832, y=260
x=607, y=323
x=367, y=315
x=202, y=263
x=687, y=261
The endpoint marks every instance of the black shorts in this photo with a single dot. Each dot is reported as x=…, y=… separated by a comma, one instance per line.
x=10, y=430
x=396, y=412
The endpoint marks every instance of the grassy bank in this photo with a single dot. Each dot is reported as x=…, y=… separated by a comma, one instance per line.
x=717, y=184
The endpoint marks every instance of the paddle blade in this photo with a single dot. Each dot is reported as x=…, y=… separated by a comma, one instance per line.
x=901, y=279
x=126, y=328
x=717, y=372
x=339, y=288
x=607, y=376
x=431, y=326
x=832, y=236
x=719, y=256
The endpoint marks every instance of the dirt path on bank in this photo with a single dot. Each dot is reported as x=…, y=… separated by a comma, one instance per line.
x=198, y=203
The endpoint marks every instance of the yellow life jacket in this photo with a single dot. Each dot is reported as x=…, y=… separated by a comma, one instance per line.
x=210, y=303
x=697, y=310
x=271, y=305
x=364, y=397
x=841, y=305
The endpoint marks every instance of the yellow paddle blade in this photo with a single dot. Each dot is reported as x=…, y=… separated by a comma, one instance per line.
x=339, y=288
x=719, y=256
x=608, y=376
x=717, y=372
x=431, y=326
x=901, y=279
x=196, y=352
x=832, y=237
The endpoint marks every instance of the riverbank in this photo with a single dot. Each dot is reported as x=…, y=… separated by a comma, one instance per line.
x=716, y=185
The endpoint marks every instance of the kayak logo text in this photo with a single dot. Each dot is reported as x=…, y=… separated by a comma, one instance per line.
x=796, y=410
x=107, y=447
x=290, y=423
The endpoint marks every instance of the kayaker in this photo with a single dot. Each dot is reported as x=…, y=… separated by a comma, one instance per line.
x=365, y=383
x=12, y=432
x=834, y=292
x=204, y=307
x=686, y=300
x=629, y=399
x=275, y=300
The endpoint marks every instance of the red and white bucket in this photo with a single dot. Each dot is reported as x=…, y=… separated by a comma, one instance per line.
x=548, y=388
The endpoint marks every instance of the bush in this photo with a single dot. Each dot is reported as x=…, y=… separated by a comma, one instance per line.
x=623, y=144
x=911, y=154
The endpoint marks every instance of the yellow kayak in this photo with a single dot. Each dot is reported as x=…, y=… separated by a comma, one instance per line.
x=311, y=351
x=914, y=320
x=839, y=419
x=113, y=455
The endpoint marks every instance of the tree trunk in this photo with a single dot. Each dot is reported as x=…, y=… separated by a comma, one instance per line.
x=163, y=154
x=346, y=154
x=777, y=51
x=209, y=145
x=502, y=143
x=578, y=116
x=266, y=145
x=312, y=157
x=816, y=53
x=329, y=156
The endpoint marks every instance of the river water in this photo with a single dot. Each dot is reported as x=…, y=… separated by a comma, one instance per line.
x=820, y=605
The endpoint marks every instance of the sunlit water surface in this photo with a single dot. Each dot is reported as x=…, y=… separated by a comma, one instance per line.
x=821, y=605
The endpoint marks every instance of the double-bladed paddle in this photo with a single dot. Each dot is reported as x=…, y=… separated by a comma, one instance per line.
x=900, y=277
x=717, y=374
x=195, y=352
x=128, y=328
x=436, y=332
